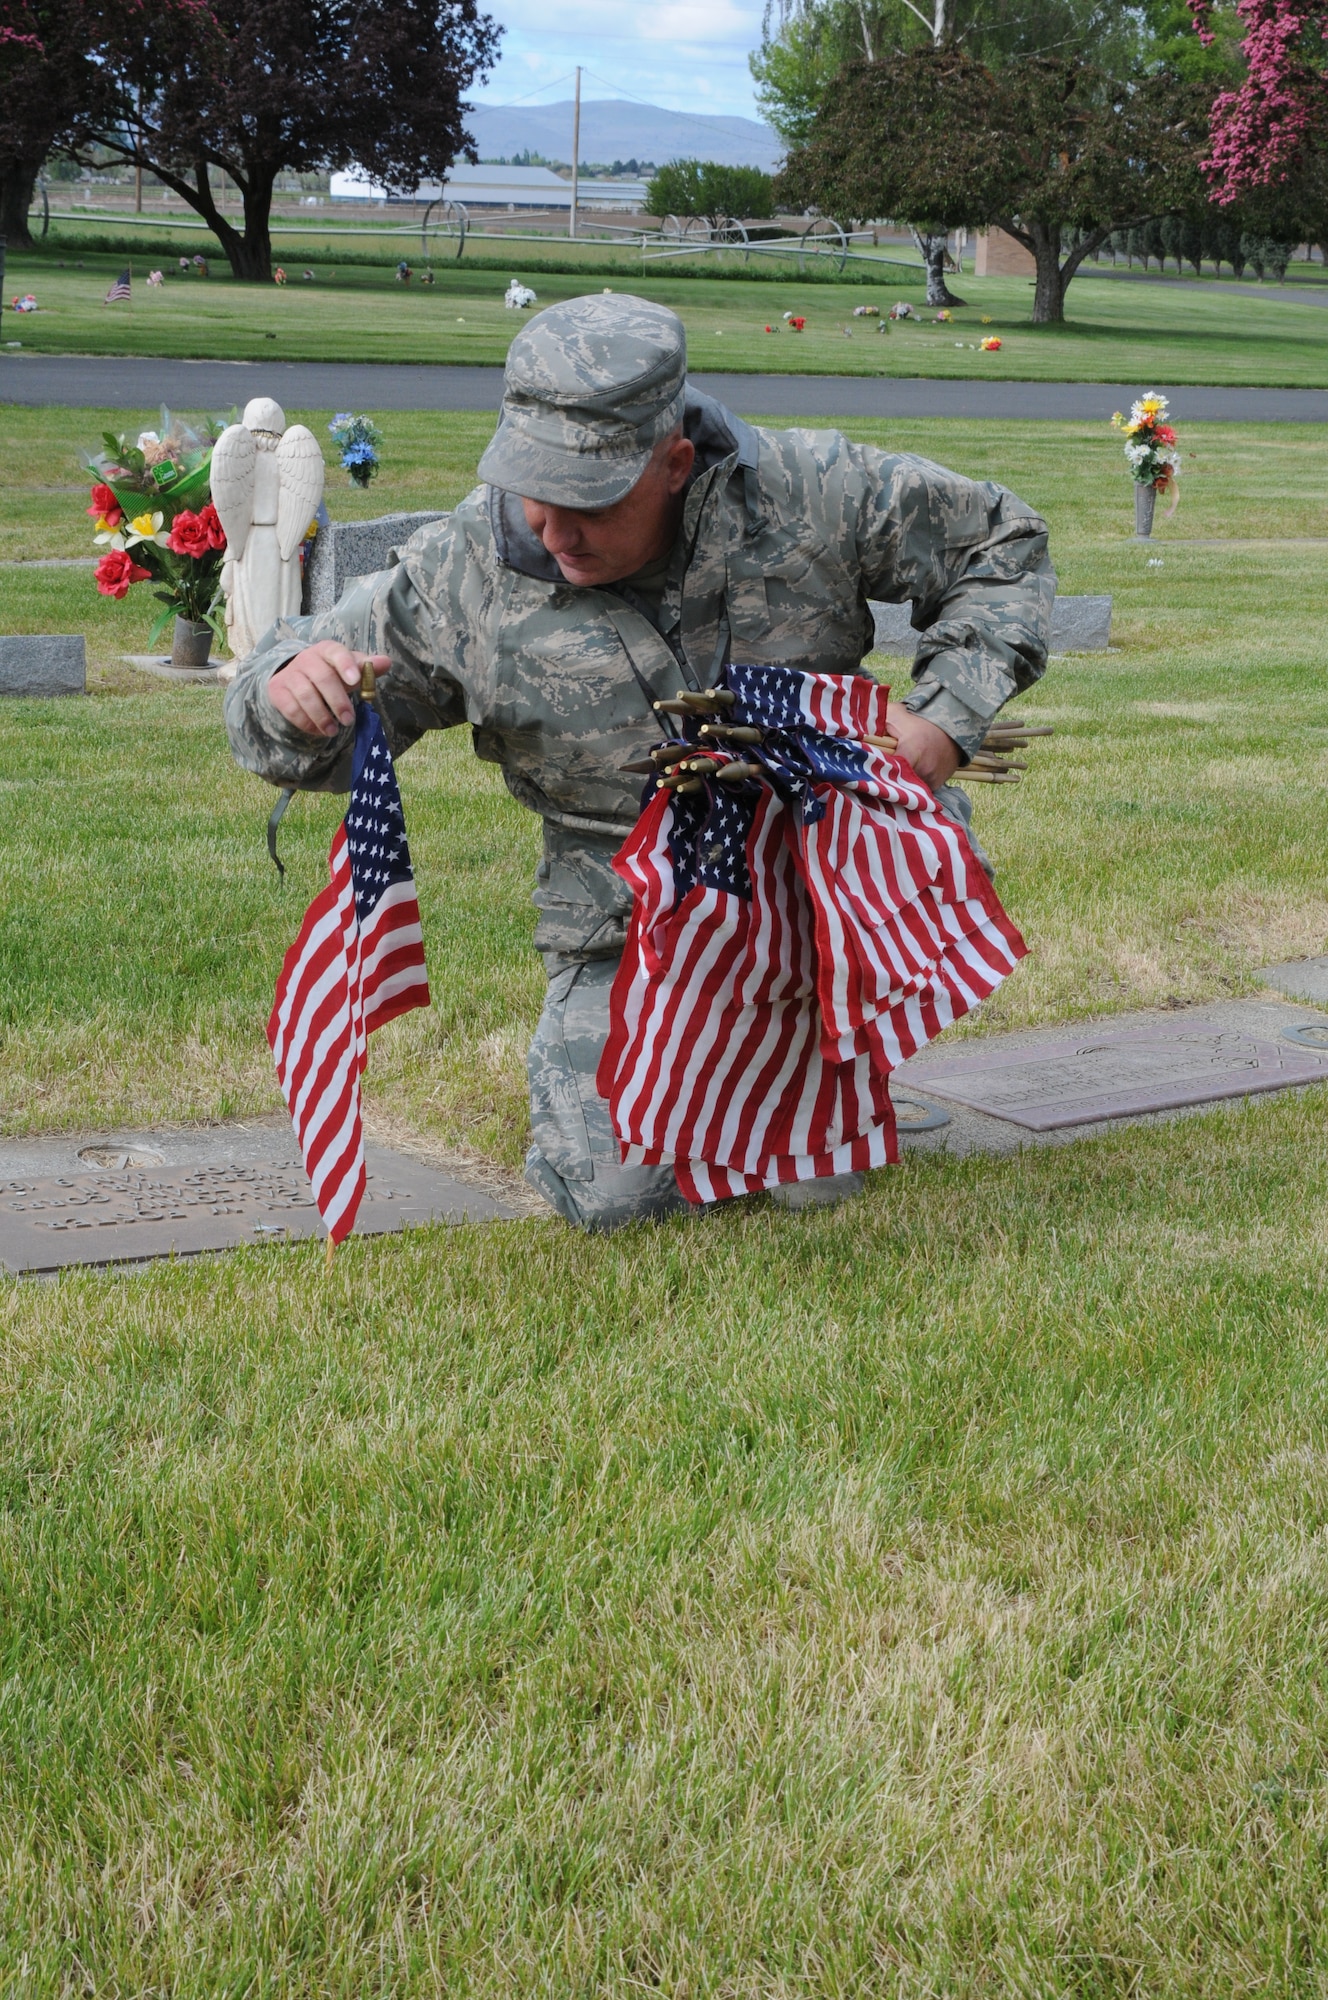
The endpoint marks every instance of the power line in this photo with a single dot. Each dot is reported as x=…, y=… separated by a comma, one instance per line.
x=484, y=104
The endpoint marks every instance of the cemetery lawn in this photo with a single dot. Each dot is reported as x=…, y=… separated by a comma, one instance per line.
x=925, y=1598
x=358, y=312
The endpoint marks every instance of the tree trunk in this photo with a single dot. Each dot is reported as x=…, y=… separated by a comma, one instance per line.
x=933, y=251
x=249, y=254
x=18, y=181
x=255, y=258
x=1049, y=285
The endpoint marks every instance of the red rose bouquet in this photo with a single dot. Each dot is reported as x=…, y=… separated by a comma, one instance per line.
x=154, y=518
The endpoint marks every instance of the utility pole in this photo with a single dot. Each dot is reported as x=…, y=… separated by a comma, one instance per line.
x=576, y=151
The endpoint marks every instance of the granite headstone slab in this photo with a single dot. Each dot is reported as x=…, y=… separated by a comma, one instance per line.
x=129, y=1200
x=1078, y=625
x=43, y=664
x=1121, y=1073
x=1302, y=978
x=345, y=549
x=342, y=550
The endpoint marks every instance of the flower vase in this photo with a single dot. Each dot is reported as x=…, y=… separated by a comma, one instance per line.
x=1145, y=500
x=191, y=645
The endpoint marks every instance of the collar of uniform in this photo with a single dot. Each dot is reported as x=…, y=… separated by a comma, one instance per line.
x=723, y=443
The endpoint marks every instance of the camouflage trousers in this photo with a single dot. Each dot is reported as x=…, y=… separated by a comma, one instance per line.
x=574, y=1158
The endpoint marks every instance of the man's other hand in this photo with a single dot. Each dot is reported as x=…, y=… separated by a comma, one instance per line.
x=314, y=689
x=933, y=754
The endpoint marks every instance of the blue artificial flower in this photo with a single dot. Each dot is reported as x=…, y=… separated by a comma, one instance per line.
x=339, y=422
x=359, y=454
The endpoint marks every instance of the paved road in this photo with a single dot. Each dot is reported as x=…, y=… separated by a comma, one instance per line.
x=1305, y=291
x=139, y=384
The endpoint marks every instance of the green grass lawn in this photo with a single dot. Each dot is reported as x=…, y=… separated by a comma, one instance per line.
x=357, y=312
x=923, y=1599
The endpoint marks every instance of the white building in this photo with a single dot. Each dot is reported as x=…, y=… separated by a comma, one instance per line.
x=510, y=188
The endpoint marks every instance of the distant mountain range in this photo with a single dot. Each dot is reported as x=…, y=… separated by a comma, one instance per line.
x=614, y=129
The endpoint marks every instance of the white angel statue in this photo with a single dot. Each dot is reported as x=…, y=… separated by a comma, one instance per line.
x=267, y=482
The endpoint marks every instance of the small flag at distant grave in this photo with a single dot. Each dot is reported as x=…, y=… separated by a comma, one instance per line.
x=120, y=289
x=357, y=963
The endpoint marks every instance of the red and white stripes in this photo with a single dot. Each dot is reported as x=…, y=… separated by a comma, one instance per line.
x=338, y=983
x=752, y=1040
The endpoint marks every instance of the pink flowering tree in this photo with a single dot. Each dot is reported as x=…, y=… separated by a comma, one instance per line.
x=1265, y=133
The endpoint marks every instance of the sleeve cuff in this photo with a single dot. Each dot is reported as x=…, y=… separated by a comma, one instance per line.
x=264, y=742
x=309, y=764
x=935, y=703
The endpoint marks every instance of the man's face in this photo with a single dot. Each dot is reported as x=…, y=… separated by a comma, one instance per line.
x=614, y=542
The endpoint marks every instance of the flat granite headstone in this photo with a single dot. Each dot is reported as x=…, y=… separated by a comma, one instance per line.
x=128, y=1198
x=346, y=549
x=1078, y=625
x=1303, y=978
x=164, y=668
x=43, y=664
x=1107, y=1071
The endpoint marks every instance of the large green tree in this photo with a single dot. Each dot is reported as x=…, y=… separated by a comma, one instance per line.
x=705, y=187
x=1055, y=151
x=807, y=45
x=254, y=87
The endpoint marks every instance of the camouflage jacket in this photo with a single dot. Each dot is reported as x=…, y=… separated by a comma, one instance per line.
x=785, y=536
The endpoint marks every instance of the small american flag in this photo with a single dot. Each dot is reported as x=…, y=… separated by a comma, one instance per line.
x=121, y=289
x=795, y=936
x=357, y=963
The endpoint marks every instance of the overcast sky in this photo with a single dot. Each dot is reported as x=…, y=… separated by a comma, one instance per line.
x=685, y=54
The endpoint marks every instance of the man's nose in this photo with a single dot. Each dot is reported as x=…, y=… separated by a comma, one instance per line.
x=561, y=531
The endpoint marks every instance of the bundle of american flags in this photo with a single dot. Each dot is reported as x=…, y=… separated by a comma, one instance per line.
x=357, y=963
x=805, y=918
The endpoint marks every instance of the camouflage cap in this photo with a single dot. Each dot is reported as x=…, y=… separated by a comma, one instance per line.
x=592, y=385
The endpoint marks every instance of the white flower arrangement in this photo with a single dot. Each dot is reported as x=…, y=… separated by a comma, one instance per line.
x=1151, y=450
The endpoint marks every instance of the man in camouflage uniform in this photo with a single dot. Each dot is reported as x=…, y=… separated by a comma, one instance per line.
x=631, y=534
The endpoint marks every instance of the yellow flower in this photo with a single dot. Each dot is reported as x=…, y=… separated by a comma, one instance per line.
x=145, y=528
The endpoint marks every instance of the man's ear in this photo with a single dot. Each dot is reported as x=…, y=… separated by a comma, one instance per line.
x=681, y=458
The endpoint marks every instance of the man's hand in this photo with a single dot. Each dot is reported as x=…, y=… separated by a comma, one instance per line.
x=313, y=690
x=933, y=754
